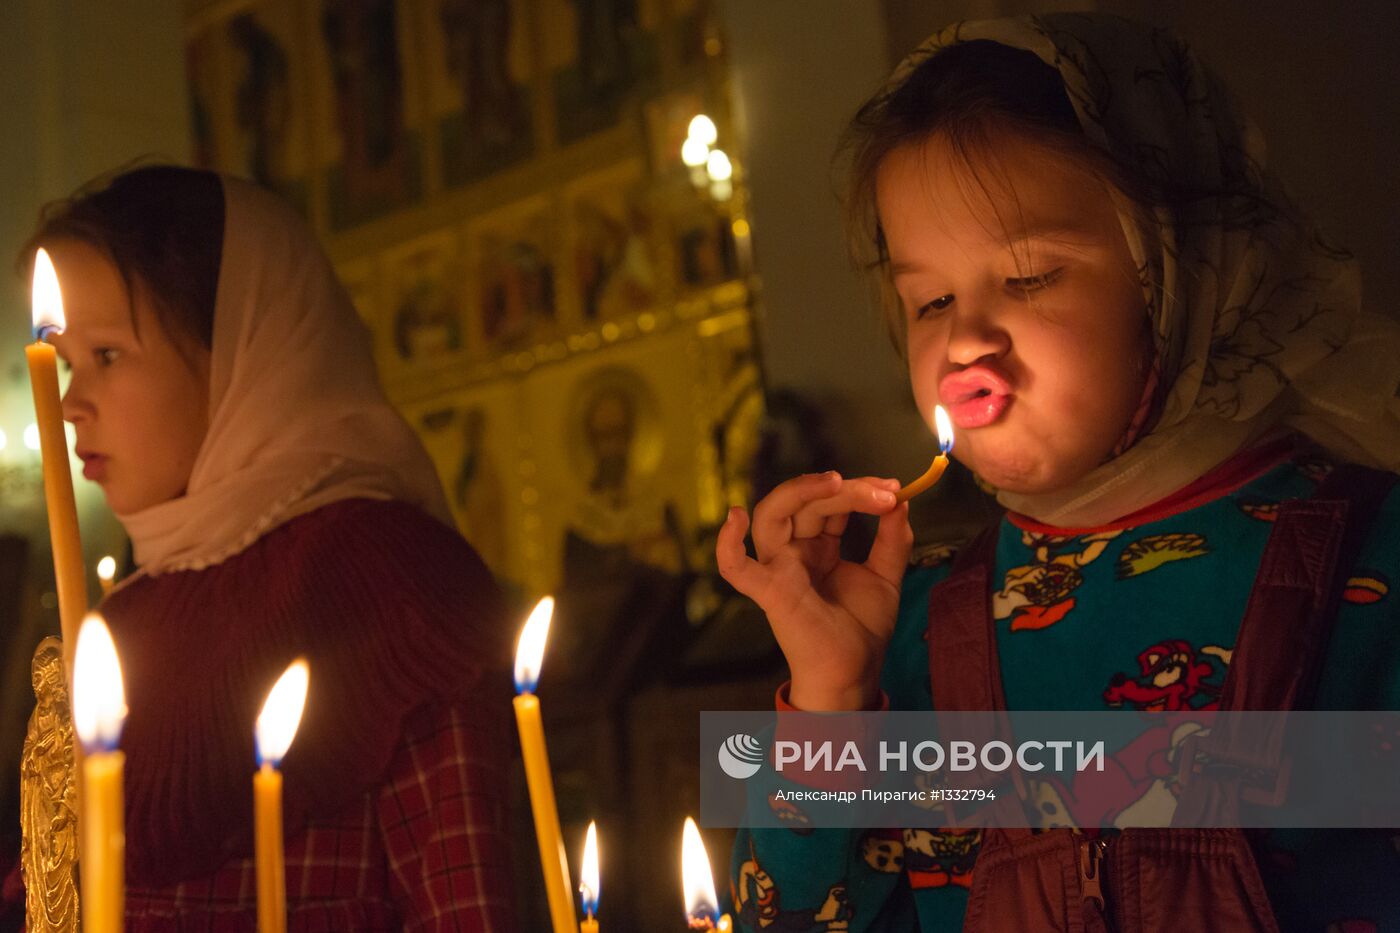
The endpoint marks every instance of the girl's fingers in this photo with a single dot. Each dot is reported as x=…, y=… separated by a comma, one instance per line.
x=866, y=494
x=835, y=525
x=744, y=573
x=772, y=517
x=894, y=539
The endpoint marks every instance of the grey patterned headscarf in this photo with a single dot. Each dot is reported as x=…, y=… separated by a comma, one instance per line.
x=1257, y=322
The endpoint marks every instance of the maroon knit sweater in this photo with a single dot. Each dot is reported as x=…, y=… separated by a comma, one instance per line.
x=395, y=614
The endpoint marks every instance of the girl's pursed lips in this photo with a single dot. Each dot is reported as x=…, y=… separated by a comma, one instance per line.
x=976, y=396
x=978, y=380
x=979, y=410
x=95, y=467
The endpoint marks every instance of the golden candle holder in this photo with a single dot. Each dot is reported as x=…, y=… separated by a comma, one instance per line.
x=49, y=800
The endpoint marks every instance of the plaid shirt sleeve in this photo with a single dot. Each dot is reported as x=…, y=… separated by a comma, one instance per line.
x=442, y=816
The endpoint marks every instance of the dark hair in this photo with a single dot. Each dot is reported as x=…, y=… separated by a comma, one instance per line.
x=972, y=94
x=162, y=226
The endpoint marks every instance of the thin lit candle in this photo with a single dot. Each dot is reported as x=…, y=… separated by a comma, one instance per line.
x=529, y=655
x=277, y=726
x=588, y=885
x=698, y=883
x=99, y=712
x=940, y=462
x=70, y=573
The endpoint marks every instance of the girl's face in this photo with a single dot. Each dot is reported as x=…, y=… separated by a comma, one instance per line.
x=1041, y=365
x=139, y=407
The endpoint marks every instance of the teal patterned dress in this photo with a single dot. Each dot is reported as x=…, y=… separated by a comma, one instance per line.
x=1133, y=618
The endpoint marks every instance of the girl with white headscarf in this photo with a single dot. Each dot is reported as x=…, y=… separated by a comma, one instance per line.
x=1157, y=363
x=223, y=394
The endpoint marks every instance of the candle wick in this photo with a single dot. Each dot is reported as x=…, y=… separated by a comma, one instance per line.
x=41, y=333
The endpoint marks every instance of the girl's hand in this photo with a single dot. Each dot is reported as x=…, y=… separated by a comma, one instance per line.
x=832, y=618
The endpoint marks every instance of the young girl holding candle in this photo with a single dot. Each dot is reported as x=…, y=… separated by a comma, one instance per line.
x=224, y=397
x=1154, y=359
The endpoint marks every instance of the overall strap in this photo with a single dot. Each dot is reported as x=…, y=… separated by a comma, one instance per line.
x=1313, y=547
x=1281, y=645
x=963, y=667
x=965, y=676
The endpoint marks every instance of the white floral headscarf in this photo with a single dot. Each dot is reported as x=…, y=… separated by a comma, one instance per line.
x=297, y=419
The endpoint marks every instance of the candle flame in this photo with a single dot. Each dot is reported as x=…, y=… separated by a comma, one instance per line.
x=281, y=713
x=588, y=883
x=529, y=650
x=47, y=298
x=99, y=700
x=694, y=153
x=945, y=428
x=697, y=881
x=107, y=568
x=702, y=129
x=718, y=166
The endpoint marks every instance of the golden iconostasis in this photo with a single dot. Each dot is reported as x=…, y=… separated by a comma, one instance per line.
x=563, y=308
x=560, y=305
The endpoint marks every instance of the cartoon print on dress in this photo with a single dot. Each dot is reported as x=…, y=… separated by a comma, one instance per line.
x=1147, y=554
x=932, y=555
x=754, y=894
x=883, y=850
x=1047, y=799
x=1138, y=785
x=832, y=916
x=1039, y=594
x=937, y=858
x=1366, y=588
x=791, y=815
x=758, y=903
x=1172, y=675
x=928, y=782
x=1259, y=510
x=1314, y=468
x=1156, y=799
